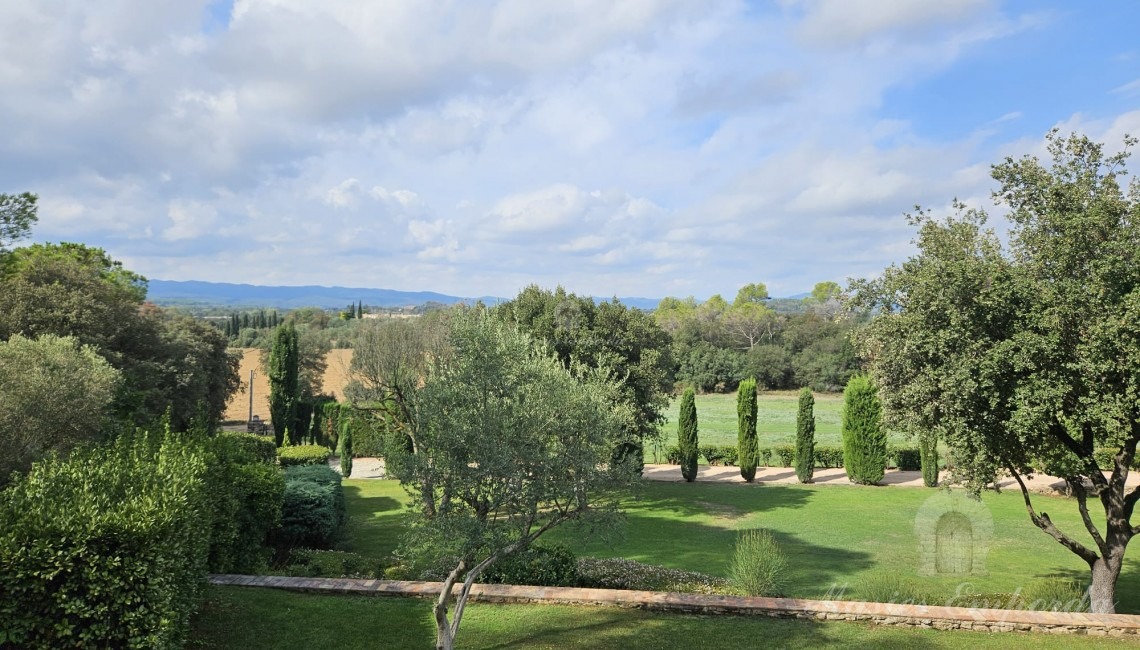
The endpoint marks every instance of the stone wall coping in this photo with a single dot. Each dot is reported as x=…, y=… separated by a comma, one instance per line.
x=888, y=613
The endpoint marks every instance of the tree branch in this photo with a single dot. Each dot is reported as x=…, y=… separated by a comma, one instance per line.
x=1043, y=522
x=1078, y=487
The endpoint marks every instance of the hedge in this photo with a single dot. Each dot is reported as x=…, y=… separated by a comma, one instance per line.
x=246, y=491
x=303, y=455
x=313, y=512
x=539, y=565
x=256, y=448
x=106, y=549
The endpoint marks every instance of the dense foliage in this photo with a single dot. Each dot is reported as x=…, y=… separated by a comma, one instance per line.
x=928, y=450
x=303, y=455
x=312, y=513
x=284, y=384
x=687, y=440
x=864, y=440
x=717, y=344
x=626, y=342
x=805, y=436
x=165, y=359
x=245, y=495
x=106, y=549
x=1027, y=357
x=37, y=376
x=746, y=444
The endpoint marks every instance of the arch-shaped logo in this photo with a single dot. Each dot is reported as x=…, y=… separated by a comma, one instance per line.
x=953, y=532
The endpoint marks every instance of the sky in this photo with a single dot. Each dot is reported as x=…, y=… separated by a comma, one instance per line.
x=615, y=147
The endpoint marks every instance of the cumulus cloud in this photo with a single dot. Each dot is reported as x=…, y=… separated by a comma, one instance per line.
x=635, y=147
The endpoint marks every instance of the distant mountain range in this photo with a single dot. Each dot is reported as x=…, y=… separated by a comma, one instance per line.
x=224, y=294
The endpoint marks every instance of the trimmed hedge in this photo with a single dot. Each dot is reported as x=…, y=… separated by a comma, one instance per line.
x=906, y=458
x=303, y=455
x=828, y=456
x=313, y=512
x=540, y=566
x=107, y=548
x=673, y=455
x=256, y=448
x=246, y=493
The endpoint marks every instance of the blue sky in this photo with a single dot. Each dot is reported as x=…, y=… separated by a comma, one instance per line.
x=628, y=147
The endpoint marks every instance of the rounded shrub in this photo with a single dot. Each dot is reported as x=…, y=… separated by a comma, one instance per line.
x=303, y=455
x=541, y=566
x=313, y=511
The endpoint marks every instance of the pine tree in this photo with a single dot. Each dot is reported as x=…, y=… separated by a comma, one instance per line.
x=805, y=437
x=687, y=435
x=747, y=452
x=284, y=378
x=864, y=441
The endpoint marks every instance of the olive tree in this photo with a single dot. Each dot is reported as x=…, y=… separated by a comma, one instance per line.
x=1027, y=358
x=510, y=443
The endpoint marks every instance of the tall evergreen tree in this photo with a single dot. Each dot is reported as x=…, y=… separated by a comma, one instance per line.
x=864, y=441
x=284, y=381
x=687, y=435
x=928, y=454
x=360, y=309
x=748, y=453
x=805, y=436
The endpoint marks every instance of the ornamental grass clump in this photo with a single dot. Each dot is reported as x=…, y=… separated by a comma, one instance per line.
x=759, y=567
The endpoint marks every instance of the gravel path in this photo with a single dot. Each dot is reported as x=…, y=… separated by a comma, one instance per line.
x=364, y=468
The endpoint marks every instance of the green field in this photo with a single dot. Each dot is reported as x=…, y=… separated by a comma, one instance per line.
x=836, y=537
x=775, y=420
x=241, y=617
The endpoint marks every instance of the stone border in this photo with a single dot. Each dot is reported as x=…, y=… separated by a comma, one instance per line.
x=919, y=616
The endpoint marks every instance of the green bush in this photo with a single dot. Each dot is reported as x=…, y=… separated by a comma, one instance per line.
x=908, y=459
x=828, y=456
x=864, y=441
x=315, y=563
x=746, y=428
x=712, y=454
x=784, y=456
x=245, y=495
x=107, y=548
x=257, y=448
x=673, y=455
x=805, y=436
x=313, y=512
x=541, y=566
x=620, y=573
x=303, y=455
x=731, y=456
x=764, y=456
x=758, y=567
x=687, y=435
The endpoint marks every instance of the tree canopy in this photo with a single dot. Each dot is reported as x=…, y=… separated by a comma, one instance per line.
x=1027, y=358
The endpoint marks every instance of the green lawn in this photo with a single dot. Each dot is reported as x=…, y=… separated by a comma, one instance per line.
x=832, y=535
x=242, y=617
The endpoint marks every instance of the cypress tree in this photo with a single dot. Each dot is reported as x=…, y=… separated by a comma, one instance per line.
x=805, y=436
x=747, y=451
x=687, y=435
x=928, y=454
x=284, y=378
x=360, y=309
x=864, y=441
x=346, y=449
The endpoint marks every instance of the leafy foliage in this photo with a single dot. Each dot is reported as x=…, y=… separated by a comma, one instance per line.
x=105, y=549
x=246, y=493
x=928, y=459
x=540, y=565
x=622, y=573
x=313, y=512
x=284, y=383
x=303, y=455
x=864, y=441
x=37, y=376
x=17, y=214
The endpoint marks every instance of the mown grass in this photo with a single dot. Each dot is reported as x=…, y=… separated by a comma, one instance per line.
x=242, y=617
x=835, y=537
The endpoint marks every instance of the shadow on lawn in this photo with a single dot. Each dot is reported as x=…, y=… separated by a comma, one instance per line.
x=358, y=504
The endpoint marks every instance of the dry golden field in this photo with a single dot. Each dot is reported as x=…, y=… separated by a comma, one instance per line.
x=336, y=376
